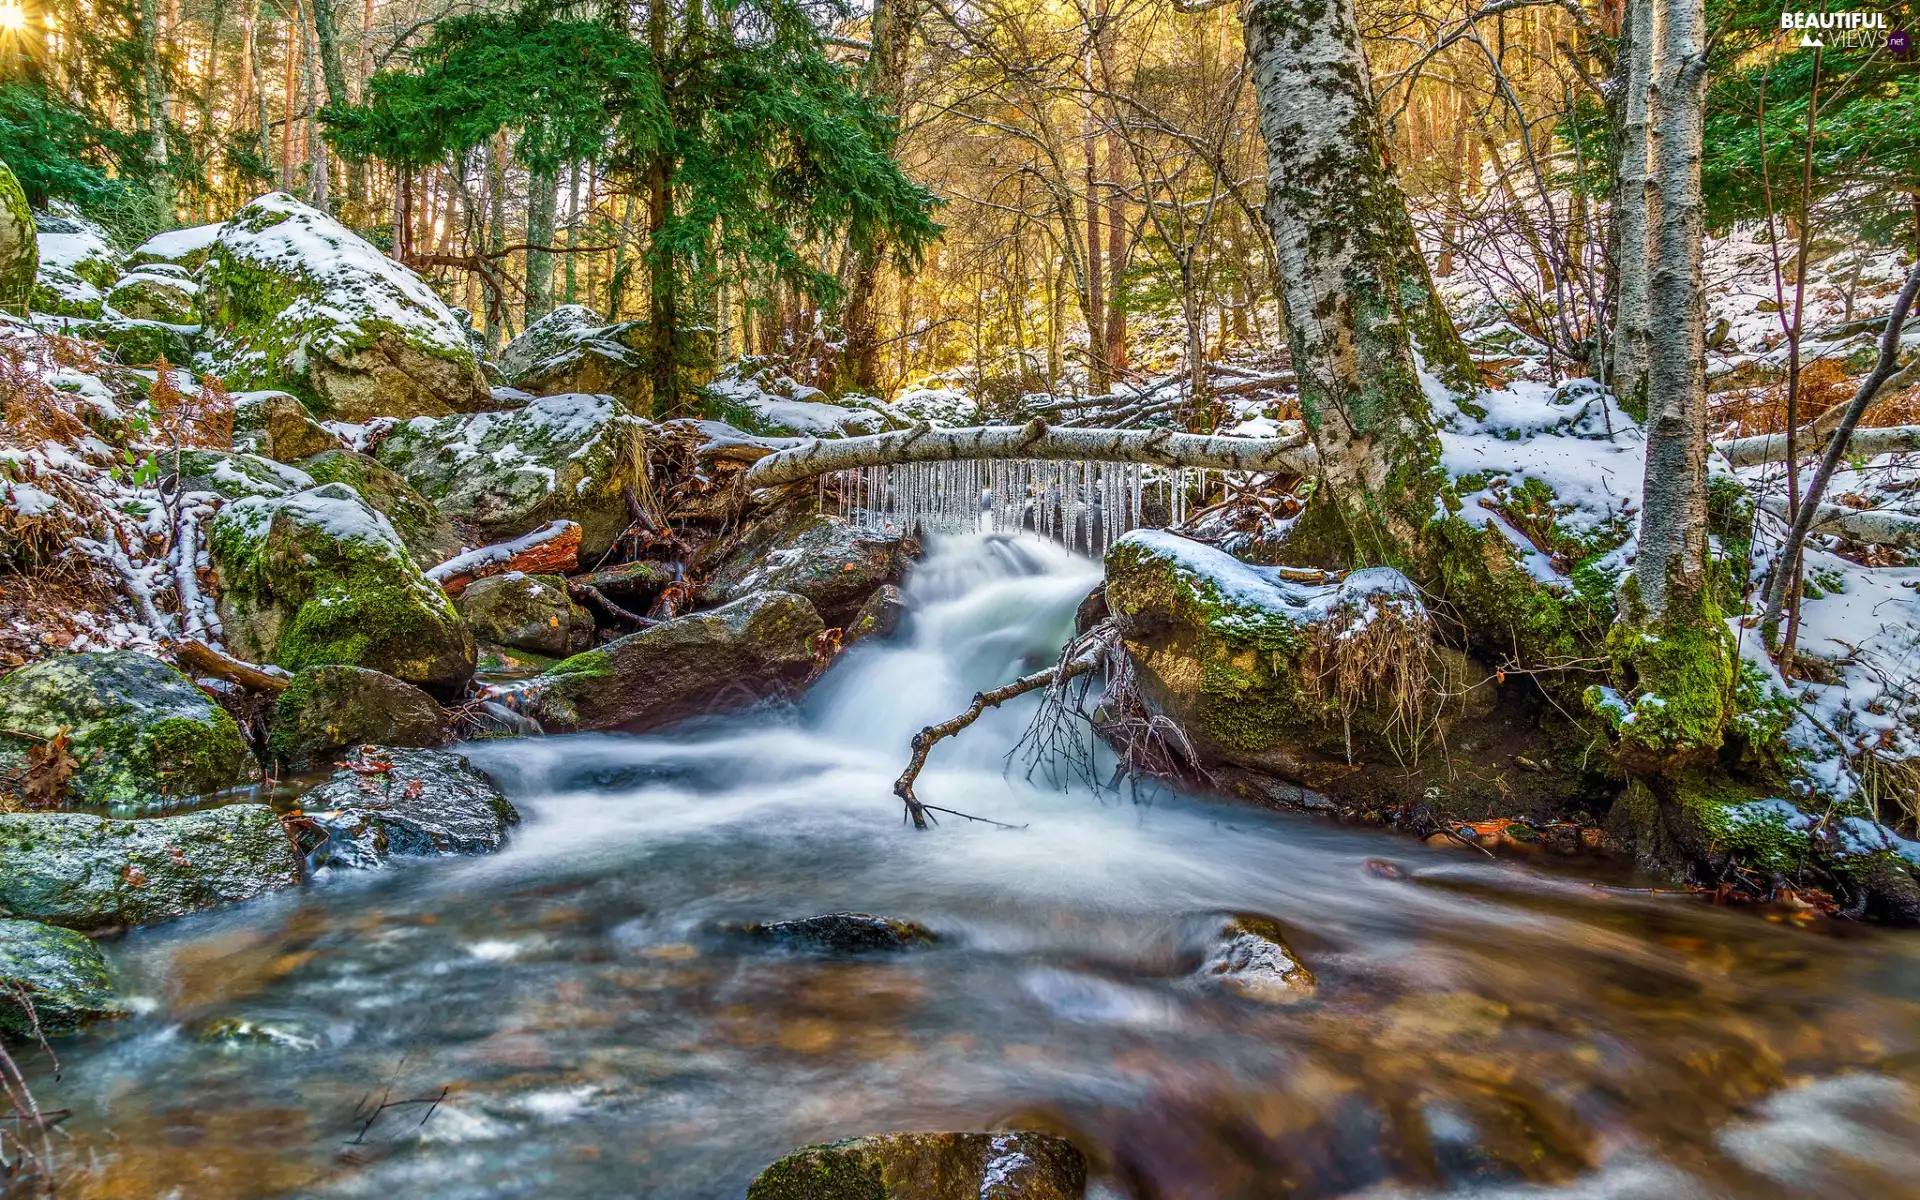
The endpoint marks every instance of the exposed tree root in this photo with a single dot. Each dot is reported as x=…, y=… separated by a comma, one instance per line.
x=923, y=742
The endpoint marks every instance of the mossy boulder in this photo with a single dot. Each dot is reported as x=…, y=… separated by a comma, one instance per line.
x=154, y=296
x=1016, y=1165
x=410, y=802
x=231, y=476
x=879, y=616
x=61, y=974
x=832, y=562
x=329, y=710
x=1261, y=672
x=319, y=577
x=77, y=265
x=92, y=873
x=430, y=538
x=293, y=300
x=508, y=473
x=186, y=248
x=135, y=343
x=19, y=245
x=140, y=731
x=755, y=647
x=526, y=612
x=572, y=350
x=276, y=425
x=759, y=397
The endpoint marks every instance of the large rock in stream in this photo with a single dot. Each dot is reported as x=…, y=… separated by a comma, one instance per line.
x=709, y=662
x=139, y=731
x=1291, y=679
x=92, y=873
x=832, y=562
x=318, y=577
x=565, y=457
x=58, y=973
x=1016, y=1165
x=389, y=801
x=294, y=300
x=328, y=710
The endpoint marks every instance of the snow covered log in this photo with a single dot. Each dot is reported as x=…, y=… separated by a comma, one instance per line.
x=1034, y=440
x=1772, y=447
x=554, y=548
x=1869, y=527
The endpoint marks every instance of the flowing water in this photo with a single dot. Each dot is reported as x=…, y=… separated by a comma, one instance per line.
x=591, y=1026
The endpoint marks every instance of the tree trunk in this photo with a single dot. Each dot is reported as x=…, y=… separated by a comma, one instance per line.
x=1361, y=310
x=1632, y=205
x=541, y=202
x=495, y=320
x=291, y=81
x=326, y=34
x=1116, y=331
x=157, y=102
x=1100, y=381
x=886, y=79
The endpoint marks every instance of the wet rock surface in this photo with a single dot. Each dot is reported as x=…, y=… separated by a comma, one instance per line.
x=709, y=662
x=51, y=980
x=1248, y=955
x=331, y=709
x=831, y=562
x=93, y=873
x=140, y=732
x=847, y=932
x=929, y=1166
x=425, y=802
x=880, y=616
x=526, y=612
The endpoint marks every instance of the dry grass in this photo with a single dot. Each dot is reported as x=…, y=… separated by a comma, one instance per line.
x=1825, y=384
x=1376, y=653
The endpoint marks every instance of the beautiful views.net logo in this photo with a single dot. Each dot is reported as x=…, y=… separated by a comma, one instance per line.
x=1849, y=29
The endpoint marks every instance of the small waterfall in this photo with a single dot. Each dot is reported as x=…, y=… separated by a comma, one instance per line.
x=1084, y=506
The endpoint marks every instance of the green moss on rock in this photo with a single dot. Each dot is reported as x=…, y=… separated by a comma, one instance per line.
x=140, y=730
x=19, y=245
x=330, y=709
x=430, y=538
x=52, y=981
x=319, y=577
x=276, y=425
x=147, y=296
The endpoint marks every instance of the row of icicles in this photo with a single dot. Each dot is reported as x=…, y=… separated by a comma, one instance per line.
x=1083, y=505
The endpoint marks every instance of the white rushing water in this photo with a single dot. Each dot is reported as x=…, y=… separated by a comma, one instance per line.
x=597, y=1026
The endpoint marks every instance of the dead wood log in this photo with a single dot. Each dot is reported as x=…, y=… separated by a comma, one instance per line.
x=1772, y=447
x=552, y=549
x=1034, y=440
x=198, y=658
x=1867, y=526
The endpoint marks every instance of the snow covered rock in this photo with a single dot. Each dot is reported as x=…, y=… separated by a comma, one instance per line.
x=294, y=300
x=319, y=577
x=834, y=564
x=430, y=538
x=753, y=396
x=412, y=802
x=230, y=476
x=154, y=296
x=183, y=248
x=1014, y=1165
x=334, y=708
x=77, y=265
x=526, y=612
x=572, y=350
x=559, y=458
x=59, y=972
x=19, y=245
x=757, y=646
x=1263, y=672
x=91, y=873
x=140, y=731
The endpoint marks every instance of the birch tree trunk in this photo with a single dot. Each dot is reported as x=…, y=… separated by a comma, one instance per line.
x=1627, y=368
x=541, y=202
x=157, y=102
x=1362, y=315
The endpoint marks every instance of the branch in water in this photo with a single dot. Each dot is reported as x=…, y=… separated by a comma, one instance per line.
x=923, y=742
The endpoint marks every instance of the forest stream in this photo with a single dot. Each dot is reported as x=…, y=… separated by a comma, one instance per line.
x=581, y=1016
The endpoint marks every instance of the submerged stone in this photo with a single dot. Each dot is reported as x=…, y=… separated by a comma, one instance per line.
x=93, y=873
x=1249, y=957
x=294, y=300
x=319, y=577
x=851, y=932
x=424, y=802
x=58, y=973
x=140, y=731
x=1017, y=1165
x=331, y=709
x=705, y=663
